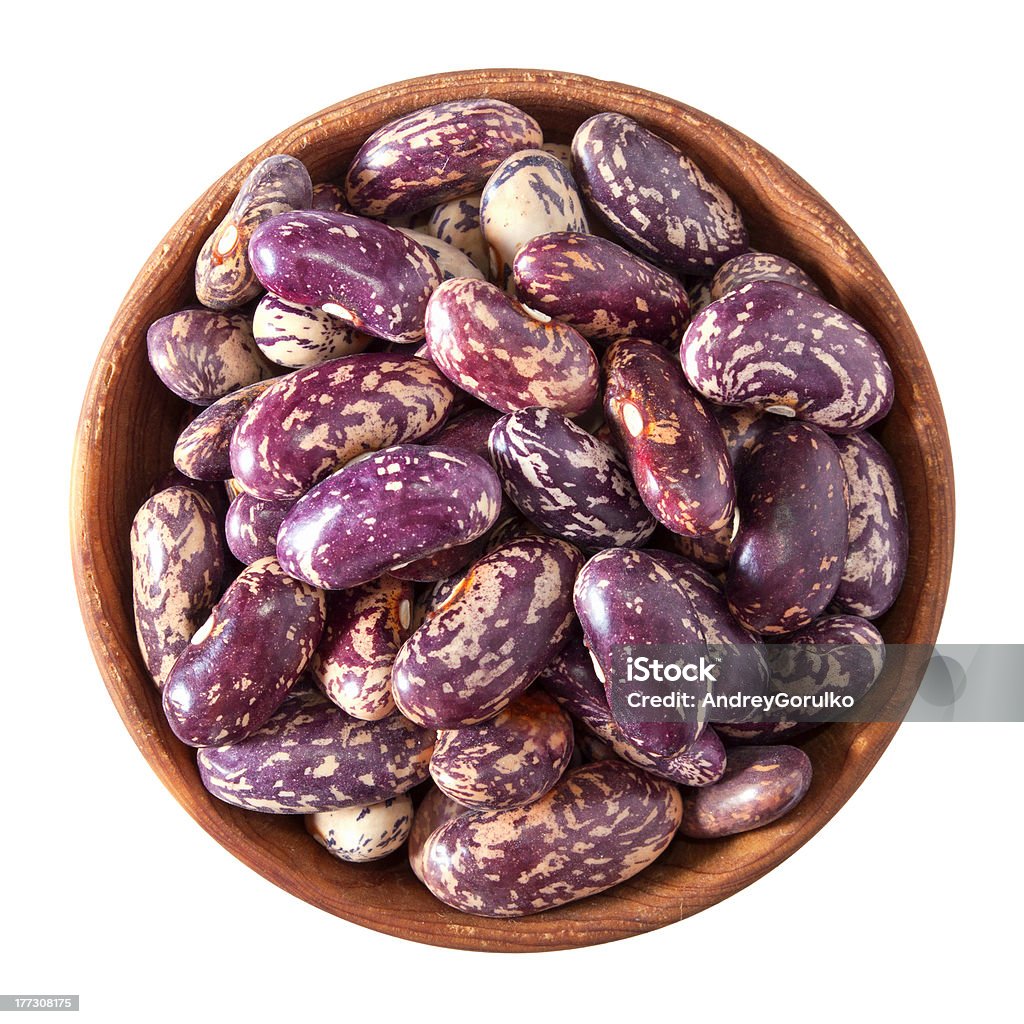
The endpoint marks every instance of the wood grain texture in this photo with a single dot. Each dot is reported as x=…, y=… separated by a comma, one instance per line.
x=129, y=423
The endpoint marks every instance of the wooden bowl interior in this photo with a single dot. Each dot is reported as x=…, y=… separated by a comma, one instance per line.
x=130, y=421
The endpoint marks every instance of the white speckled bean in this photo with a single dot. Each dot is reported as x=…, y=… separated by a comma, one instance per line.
x=450, y=261
x=457, y=222
x=292, y=335
x=360, y=834
x=529, y=194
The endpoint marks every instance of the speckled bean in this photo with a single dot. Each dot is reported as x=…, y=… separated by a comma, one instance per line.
x=367, y=274
x=490, y=637
x=203, y=449
x=291, y=335
x=567, y=482
x=313, y=421
x=450, y=261
x=202, y=355
x=561, y=151
x=380, y=512
x=600, y=825
x=509, y=760
x=760, y=785
x=570, y=678
x=759, y=266
x=177, y=568
x=490, y=346
x=741, y=427
x=835, y=654
x=212, y=490
x=599, y=288
x=457, y=222
x=434, y=810
x=435, y=154
x=242, y=662
x=330, y=198
x=470, y=431
x=673, y=444
x=362, y=834
x=788, y=555
x=312, y=757
x=251, y=526
x=363, y=631
x=224, y=276
x=773, y=347
x=879, y=542
x=654, y=197
x=625, y=597
x=529, y=194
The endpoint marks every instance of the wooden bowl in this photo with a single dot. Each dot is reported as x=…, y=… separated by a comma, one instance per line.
x=129, y=423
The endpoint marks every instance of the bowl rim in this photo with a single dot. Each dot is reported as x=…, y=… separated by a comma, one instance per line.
x=94, y=570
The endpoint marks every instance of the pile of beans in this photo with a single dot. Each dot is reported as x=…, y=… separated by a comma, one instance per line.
x=485, y=411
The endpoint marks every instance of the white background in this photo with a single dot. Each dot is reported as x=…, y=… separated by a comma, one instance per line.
x=115, y=119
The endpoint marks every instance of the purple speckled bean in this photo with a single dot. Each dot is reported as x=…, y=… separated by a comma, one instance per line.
x=509, y=760
x=292, y=336
x=760, y=785
x=382, y=511
x=434, y=810
x=224, y=277
x=362, y=834
x=741, y=427
x=879, y=542
x=435, y=154
x=603, y=823
x=330, y=198
x=457, y=222
x=567, y=482
x=788, y=555
x=242, y=662
x=177, y=568
x=836, y=654
x=312, y=757
x=759, y=266
x=489, y=638
x=773, y=347
x=698, y=290
x=442, y=564
x=654, y=197
x=570, y=678
x=470, y=431
x=754, y=733
x=211, y=490
x=452, y=262
x=202, y=355
x=251, y=526
x=625, y=597
x=672, y=442
x=363, y=272
x=313, y=421
x=599, y=288
x=529, y=194
x=590, y=748
x=363, y=631
x=203, y=449
x=511, y=527
x=490, y=346
x=741, y=657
